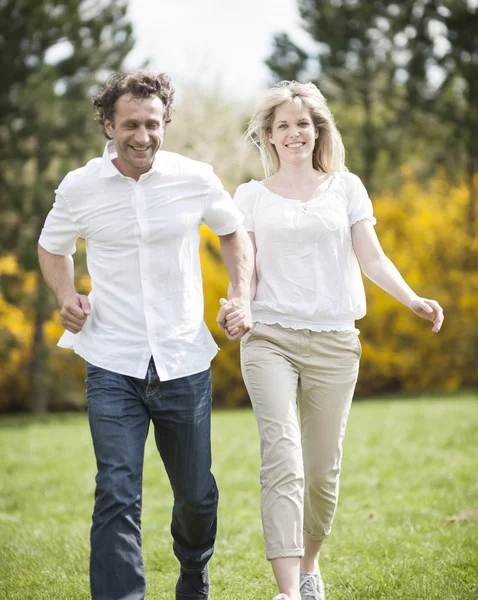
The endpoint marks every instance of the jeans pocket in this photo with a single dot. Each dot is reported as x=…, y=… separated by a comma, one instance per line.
x=93, y=372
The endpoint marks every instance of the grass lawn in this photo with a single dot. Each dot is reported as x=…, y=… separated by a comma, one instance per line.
x=406, y=526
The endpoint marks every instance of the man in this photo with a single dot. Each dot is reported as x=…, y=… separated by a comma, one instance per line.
x=141, y=330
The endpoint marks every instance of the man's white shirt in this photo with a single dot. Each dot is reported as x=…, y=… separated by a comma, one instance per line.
x=142, y=243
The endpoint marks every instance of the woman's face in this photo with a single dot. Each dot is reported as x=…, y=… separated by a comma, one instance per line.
x=293, y=133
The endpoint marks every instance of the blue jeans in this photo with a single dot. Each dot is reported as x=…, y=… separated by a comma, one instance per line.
x=119, y=410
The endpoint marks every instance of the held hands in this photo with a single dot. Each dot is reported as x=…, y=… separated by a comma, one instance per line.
x=75, y=309
x=428, y=309
x=234, y=318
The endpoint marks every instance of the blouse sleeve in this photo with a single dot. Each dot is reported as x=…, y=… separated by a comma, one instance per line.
x=359, y=204
x=245, y=198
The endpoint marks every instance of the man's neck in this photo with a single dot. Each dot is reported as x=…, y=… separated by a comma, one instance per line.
x=129, y=171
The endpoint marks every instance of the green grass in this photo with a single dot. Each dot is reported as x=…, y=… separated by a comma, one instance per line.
x=409, y=466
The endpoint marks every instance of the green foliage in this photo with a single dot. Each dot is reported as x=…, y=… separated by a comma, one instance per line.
x=443, y=80
x=406, y=525
x=287, y=60
x=408, y=70
x=356, y=66
x=52, y=56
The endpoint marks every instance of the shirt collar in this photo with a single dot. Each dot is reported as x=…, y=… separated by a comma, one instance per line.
x=108, y=169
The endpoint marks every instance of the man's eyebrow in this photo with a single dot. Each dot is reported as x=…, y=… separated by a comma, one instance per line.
x=133, y=120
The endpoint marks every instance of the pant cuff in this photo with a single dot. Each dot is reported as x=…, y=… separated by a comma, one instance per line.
x=317, y=538
x=296, y=552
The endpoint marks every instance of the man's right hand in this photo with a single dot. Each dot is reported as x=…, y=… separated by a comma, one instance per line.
x=234, y=318
x=75, y=309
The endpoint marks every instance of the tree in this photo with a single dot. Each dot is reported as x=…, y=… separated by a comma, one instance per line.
x=357, y=72
x=443, y=78
x=52, y=54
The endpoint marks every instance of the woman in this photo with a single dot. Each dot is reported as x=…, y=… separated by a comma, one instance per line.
x=309, y=221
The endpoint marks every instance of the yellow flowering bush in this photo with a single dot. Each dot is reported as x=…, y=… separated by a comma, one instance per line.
x=423, y=231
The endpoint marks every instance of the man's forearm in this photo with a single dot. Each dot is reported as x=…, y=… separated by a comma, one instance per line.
x=238, y=256
x=58, y=272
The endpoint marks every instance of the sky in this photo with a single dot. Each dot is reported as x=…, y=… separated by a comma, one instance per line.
x=219, y=42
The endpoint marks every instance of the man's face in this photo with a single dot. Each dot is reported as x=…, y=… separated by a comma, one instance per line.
x=137, y=132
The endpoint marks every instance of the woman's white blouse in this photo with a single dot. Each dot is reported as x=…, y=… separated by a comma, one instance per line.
x=308, y=276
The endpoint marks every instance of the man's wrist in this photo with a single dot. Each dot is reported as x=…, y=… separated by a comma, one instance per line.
x=240, y=299
x=242, y=294
x=64, y=294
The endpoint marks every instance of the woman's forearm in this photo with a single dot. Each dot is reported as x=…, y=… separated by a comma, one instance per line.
x=385, y=274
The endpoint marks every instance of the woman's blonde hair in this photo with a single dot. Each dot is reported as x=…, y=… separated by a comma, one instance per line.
x=329, y=152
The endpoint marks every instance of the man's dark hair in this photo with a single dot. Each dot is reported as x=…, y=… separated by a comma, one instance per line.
x=140, y=84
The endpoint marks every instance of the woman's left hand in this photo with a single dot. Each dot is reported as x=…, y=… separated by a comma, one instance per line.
x=429, y=310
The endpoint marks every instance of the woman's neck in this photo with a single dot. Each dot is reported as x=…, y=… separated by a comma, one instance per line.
x=296, y=176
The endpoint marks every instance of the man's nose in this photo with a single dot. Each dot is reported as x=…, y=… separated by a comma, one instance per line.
x=141, y=136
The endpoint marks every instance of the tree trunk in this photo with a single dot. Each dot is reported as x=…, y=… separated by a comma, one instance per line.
x=472, y=162
x=472, y=197
x=40, y=395
x=369, y=142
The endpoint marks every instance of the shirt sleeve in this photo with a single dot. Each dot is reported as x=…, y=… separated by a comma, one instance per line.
x=245, y=200
x=359, y=204
x=60, y=232
x=221, y=214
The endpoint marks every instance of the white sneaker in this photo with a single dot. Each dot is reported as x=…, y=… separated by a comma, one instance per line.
x=311, y=586
x=281, y=597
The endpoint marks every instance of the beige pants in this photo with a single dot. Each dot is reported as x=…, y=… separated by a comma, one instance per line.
x=317, y=371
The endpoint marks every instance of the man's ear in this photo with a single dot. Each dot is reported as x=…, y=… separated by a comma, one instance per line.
x=108, y=127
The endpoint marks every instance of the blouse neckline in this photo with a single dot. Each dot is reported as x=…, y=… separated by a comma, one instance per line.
x=330, y=181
